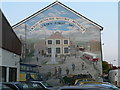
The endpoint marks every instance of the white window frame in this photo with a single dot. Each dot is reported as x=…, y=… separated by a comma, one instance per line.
x=64, y=40
x=60, y=50
x=64, y=50
x=48, y=43
x=56, y=40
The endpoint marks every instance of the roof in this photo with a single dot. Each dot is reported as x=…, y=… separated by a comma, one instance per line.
x=9, y=40
x=56, y=35
x=56, y=2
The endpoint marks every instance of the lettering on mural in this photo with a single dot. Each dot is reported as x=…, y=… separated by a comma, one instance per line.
x=81, y=28
x=56, y=23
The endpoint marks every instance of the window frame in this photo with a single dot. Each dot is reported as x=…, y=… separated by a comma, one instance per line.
x=56, y=41
x=49, y=43
x=50, y=50
x=59, y=50
x=67, y=51
x=66, y=40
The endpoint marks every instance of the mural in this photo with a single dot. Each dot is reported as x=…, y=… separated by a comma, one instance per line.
x=61, y=41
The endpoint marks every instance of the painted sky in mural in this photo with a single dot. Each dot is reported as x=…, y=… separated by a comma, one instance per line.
x=68, y=23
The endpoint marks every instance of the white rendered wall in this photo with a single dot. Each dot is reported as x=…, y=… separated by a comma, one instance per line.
x=9, y=59
x=0, y=57
x=114, y=76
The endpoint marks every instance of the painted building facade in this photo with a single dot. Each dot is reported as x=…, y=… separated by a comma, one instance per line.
x=60, y=43
x=78, y=35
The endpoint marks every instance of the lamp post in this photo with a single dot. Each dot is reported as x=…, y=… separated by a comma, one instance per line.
x=25, y=42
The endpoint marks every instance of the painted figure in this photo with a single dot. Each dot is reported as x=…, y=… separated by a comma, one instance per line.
x=55, y=72
x=73, y=66
x=67, y=70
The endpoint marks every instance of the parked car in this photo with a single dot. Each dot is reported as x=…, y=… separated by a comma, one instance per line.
x=45, y=85
x=23, y=86
x=78, y=81
x=84, y=88
x=86, y=82
x=101, y=85
x=4, y=87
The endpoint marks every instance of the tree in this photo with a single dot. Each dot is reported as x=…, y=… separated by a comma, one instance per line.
x=105, y=67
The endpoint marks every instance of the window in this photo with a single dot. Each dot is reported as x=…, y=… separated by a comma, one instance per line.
x=49, y=41
x=65, y=41
x=3, y=74
x=49, y=50
x=57, y=50
x=65, y=50
x=21, y=67
x=57, y=41
x=35, y=85
x=12, y=74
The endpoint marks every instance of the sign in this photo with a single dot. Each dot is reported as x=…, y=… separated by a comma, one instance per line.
x=81, y=28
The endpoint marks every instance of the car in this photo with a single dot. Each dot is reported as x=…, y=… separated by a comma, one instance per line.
x=78, y=81
x=45, y=85
x=84, y=88
x=101, y=85
x=87, y=82
x=23, y=86
x=4, y=87
x=11, y=85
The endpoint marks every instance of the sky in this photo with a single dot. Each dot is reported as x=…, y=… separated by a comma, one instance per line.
x=104, y=13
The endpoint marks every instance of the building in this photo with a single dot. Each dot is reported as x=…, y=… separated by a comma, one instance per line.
x=63, y=45
x=73, y=34
x=59, y=42
x=40, y=48
x=10, y=51
x=114, y=76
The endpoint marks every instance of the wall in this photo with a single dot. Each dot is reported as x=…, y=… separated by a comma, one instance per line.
x=9, y=59
x=59, y=18
x=10, y=40
x=114, y=77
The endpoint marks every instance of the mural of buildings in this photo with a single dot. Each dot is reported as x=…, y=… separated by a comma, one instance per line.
x=40, y=47
x=59, y=42
x=95, y=46
x=63, y=45
x=58, y=30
